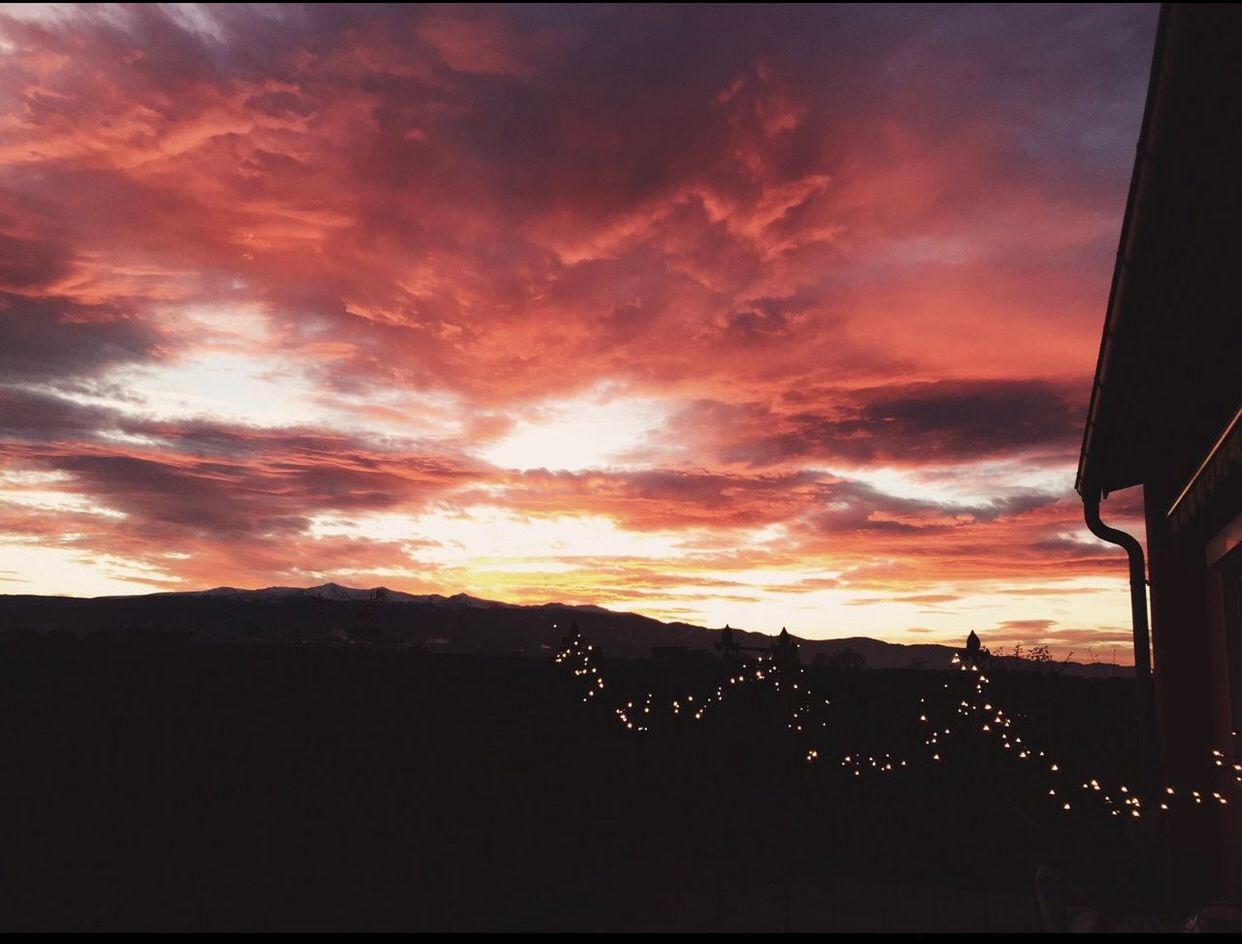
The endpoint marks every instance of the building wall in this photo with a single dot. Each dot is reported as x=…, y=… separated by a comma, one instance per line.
x=1191, y=665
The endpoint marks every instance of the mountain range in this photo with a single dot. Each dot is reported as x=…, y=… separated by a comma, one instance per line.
x=335, y=614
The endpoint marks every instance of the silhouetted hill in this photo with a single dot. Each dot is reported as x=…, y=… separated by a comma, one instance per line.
x=333, y=614
x=273, y=787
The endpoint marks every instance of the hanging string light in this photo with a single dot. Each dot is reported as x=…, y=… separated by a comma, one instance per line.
x=980, y=710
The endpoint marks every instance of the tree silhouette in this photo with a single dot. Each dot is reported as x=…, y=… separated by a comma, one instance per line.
x=847, y=659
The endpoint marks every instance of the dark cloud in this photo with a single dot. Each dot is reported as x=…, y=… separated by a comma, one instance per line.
x=929, y=598
x=1033, y=625
x=30, y=415
x=850, y=506
x=49, y=339
x=658, y=499
x=30, y=263
x=960, y=418
x=946, y=422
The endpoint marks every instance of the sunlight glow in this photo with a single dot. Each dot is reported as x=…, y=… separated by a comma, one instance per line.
x=573, y=435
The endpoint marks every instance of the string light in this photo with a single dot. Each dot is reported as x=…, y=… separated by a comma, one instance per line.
x=994, y=723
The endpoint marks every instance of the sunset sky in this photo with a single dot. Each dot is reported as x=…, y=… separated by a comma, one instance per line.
x=760, y=315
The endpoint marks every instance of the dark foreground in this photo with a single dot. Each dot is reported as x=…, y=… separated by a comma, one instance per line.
x=152, y=786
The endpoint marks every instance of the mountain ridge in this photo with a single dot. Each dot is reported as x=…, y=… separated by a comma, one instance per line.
x=460, y=623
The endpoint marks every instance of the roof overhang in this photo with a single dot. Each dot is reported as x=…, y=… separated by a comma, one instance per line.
x=1169, y=373
x=1107, y=461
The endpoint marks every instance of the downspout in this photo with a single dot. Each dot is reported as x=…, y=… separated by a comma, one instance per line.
x=1144, y=694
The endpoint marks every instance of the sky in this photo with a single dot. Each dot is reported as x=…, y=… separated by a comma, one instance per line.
x=774, y=316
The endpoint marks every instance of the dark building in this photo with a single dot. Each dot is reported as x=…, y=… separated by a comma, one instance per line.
x=785, y=652
x=973, y=648
x=1164, y=414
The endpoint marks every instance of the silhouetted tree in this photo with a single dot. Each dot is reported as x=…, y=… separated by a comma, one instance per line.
x=847, y=659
